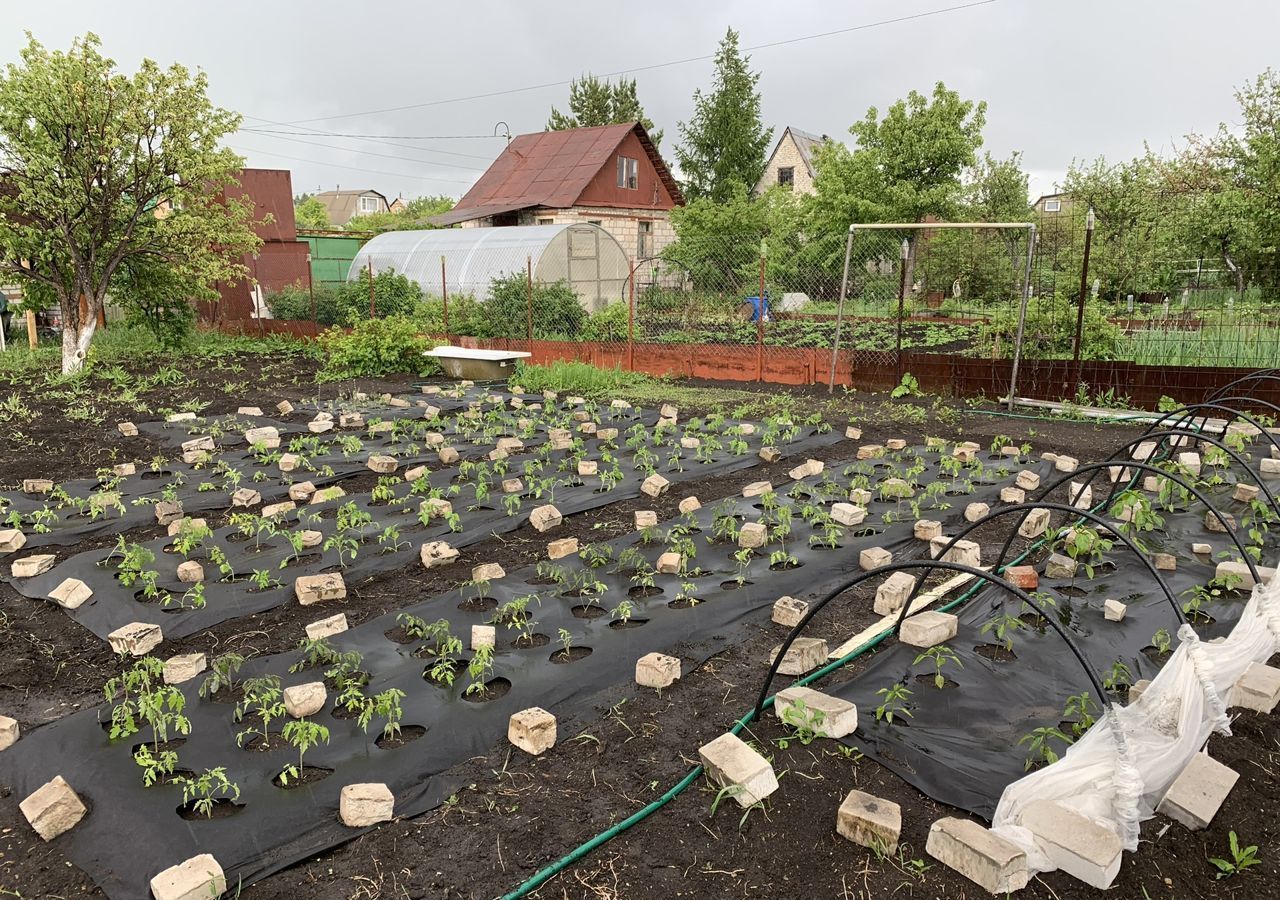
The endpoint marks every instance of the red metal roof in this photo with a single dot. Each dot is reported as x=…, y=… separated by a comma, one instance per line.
x=551, y=169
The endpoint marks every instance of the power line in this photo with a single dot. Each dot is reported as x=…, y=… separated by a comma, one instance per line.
x=372, y=153
x=398, y=137
x=317, y=162
x=368, y=139
x=676, y=62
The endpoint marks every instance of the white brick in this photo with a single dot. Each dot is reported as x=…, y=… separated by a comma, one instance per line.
x=1258, y=689
x=730, y=762
x=362, y=805
x=53, y=808
x=753, y=534
x=198, y=878
x=847, y=514
x=965, y=552
x=927, y=529
x=311, y=589
x=874, y=558
x=487, y=572
x=804, y=655
x=533, y=730
x=892, y=593
x=302, y=700
x=544, y=518
x=562, y=548
x=483, y=636
x=1198, y=792
x=994, y=864
x=136, y=638
x=975, y=511
x=824, y=715
x=655, y=485
x=437, y=553
x=757, y=488
x=1035, y=524
x=71, y=593
x=928, y=629
x=689, y=505
x=1114, y=610
x=657, y=670
x=1074, y=843
x=12, y=540
x=184, y=667
x=9, y=732
x=789, y=611
x=327, y=627
x=870, y=821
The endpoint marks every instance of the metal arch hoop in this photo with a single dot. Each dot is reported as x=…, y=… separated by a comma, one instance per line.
x=1219, y=405
x=1161, y=473
x=1260, y=375
x=856, y=580
x=1026, y=509
x=1183, y=432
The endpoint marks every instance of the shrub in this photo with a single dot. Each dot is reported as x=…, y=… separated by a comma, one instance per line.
x=1050, y=330
x=556, y=310
x=295, y=303
x=394, y=295
x=375, y=347
x=608, y=324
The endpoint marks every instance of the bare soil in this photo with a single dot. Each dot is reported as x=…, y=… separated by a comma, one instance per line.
x=518, y=814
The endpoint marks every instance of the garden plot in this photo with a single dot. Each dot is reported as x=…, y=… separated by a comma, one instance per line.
x=258, y=767
x=966, y=717
x=499, y=466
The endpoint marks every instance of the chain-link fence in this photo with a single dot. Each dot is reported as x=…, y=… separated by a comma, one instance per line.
x=865, y=308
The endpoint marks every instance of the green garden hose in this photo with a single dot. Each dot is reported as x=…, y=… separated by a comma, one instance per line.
x=555, y=868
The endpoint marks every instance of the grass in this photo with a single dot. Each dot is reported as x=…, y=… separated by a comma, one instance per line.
x=577, y=378
x=1246, y=346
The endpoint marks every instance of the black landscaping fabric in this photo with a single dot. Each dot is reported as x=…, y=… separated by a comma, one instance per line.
x=960, y=743
x=278, y=827
x=114, y=605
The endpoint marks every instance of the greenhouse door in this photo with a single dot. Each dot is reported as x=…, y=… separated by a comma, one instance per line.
x=584, y=267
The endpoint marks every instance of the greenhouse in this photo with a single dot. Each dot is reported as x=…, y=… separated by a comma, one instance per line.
x=467, y=260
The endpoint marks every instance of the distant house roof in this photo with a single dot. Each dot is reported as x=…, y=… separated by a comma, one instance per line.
x=343, y=206
x=551, y=169
x=805, y=142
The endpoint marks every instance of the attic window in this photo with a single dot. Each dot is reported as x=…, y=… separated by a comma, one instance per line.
x=786, y=176
x=369, y=204
x=1052, y=205
x=628, y=173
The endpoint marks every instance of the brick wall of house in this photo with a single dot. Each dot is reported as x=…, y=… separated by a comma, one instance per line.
x=623, y=224
x=788, y=155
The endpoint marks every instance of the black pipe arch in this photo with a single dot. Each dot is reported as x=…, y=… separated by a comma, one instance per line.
x=1220, y=405
x=856, y=580
x=1259, y=375
x=1026, y=509
x=1178, y=432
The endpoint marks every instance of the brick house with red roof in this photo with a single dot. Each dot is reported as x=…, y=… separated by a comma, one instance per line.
x=608, y=175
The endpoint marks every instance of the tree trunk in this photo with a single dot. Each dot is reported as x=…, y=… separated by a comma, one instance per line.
x=910, y=264
x=77, y=330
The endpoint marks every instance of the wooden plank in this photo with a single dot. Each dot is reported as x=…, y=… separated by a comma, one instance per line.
x=922, y=601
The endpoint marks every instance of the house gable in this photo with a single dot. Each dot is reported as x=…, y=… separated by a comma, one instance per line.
x=649, y=193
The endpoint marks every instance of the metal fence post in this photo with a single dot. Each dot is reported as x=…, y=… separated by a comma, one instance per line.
x=311, y=290
x=529, y=322
x=902, y=301
x=1022, y=315
x=760, y=318
x=1076, y=364
x=844, y=286
x=444, y=293
x=373, y=309
x=631, y=319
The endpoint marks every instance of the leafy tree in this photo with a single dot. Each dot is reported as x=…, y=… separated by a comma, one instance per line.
x=311, y=214
x=596, y=101
x=105, y=170
x=725, y=140
x=906, y=165
x=415, y=216
x=718, y=242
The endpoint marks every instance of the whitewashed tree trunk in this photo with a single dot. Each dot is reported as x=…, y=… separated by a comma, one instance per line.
x=76, y=334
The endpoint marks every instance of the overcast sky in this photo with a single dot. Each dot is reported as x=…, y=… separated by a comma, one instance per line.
x=1063, y=80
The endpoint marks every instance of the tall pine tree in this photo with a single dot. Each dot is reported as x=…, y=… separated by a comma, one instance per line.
x=725, y=140
x=596, y=101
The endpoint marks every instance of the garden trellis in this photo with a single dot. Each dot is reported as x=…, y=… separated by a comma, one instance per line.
x=905, y=264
